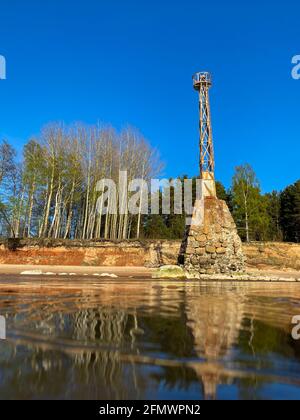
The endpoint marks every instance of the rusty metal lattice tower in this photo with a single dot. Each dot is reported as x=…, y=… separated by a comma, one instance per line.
x=202, y=82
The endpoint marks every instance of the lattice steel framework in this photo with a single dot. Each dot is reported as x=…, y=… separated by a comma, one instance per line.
x=202, y=82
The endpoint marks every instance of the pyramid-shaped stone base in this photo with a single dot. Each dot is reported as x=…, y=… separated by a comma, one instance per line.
x=212, y=244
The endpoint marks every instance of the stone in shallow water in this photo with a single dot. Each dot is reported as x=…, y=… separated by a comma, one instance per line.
x=32, y=273
x=169, y=272
x=113, y=276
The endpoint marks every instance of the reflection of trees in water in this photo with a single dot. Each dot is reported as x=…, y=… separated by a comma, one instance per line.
x=185, y=322
x=107, y=327
x=99, y=372
x=116, y=329
x=100, y=324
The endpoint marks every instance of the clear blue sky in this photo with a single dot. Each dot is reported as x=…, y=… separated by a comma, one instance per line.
x=131, y=61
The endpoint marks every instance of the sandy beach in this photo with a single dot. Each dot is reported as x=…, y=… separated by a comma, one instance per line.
x=18, y=272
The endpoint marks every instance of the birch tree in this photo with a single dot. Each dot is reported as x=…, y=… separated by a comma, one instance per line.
x=249, y=207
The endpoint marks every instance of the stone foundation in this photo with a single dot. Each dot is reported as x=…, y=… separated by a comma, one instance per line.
x=213, y=246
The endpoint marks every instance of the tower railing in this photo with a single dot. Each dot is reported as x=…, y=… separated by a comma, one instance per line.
x=202, y=78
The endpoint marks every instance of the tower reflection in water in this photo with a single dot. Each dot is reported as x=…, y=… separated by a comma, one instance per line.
x=146, y=340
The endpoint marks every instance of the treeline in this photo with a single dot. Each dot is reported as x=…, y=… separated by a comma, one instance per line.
x=50, y=192
x=259, y=217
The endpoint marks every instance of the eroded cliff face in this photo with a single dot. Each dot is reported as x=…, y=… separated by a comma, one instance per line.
x=134, y=253
x=75, y=254
x=277, y=255
x=85, y=253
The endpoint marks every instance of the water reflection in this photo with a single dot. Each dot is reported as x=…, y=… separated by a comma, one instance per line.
x=151, y=340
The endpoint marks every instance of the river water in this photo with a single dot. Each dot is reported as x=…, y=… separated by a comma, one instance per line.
x=147, y=339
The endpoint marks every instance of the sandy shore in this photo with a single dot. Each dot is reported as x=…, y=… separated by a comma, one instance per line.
x=72, y=270
x=63, y=272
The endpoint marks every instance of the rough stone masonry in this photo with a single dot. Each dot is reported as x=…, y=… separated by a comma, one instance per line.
x=213, y=246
